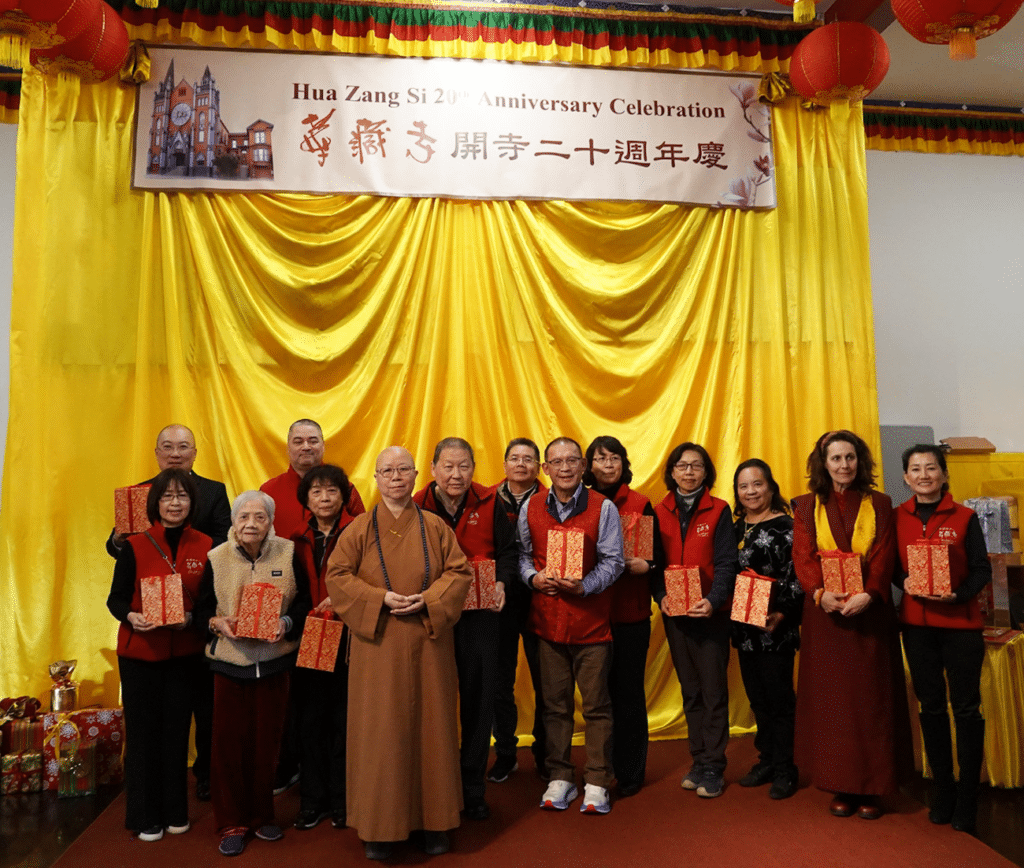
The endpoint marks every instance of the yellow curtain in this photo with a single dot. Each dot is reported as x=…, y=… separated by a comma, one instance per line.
x=397, y=321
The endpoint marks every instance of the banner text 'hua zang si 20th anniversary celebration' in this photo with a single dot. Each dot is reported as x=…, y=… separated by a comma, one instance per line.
x=471, y=129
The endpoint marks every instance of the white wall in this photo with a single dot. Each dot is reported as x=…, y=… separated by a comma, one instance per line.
x=947, y=263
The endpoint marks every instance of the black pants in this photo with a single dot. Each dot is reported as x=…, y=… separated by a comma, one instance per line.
x=700, y=654
x=158, y=700
x=512, y=624
x=202, y=713
x=321, y=704
x=768, y=679
x=629, y=701
x=938, y=654
x=476, y=656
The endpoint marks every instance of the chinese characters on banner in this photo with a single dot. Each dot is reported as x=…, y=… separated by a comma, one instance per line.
x=286, y=121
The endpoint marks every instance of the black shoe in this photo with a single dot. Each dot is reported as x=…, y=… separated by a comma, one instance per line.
x=631, y=789
x=203, y=790
x=377, y=850
x=476, y=809
x=758, y=776
x=339, y=820
x=309, y=818
x=436, y=843
x=269, y=832
x=784, y=786
x=284, y=780
x=502, y=768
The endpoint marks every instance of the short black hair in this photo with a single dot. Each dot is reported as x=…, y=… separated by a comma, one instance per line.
x=608, y=444
x=324, y=473
x=710, y=474
x=158, y=487
x=452, y=443
x=522, y=441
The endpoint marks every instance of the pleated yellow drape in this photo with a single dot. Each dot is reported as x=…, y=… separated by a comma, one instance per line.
x=397, y=321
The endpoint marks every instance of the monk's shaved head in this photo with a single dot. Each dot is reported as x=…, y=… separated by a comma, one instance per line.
x=395, y=455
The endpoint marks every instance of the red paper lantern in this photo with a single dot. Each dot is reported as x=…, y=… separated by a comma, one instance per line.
x=960, y=23
x=40, y=24
x=842, y=60
x=95, y=55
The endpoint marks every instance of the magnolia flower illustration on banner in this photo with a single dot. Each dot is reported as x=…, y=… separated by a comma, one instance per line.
x=742, y=191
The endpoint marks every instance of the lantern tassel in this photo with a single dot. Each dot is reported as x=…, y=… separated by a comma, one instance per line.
x=148, y=4
x=14, y=51
x=803, y=11
x=962, y=44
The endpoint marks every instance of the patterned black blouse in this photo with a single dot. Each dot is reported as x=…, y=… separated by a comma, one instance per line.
x=767, y=549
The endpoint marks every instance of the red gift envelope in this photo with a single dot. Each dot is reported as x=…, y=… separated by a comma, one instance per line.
x=483, y=592
x=130, y=509
x=259, y=611
x=565, y=554
x=752, y=598
x=841, y=572
x=163, y=601
x=321, y=639
x=683, y=591
x=928, y=568
x=637, y=535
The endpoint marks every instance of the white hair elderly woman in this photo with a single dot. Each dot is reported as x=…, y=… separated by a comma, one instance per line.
x=250, y=675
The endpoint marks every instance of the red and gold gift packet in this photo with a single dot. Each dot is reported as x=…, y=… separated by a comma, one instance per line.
x=483, y=592
x=752, y=598
x=565, y=554
x=259, y=611
x=841, y=572
x=163, y=601
x=321, y=639
x=637, y=535
x=928, y=569
x=130, y=509
x=682, y=589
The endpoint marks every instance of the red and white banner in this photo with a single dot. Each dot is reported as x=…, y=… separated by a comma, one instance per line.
x=221, y=119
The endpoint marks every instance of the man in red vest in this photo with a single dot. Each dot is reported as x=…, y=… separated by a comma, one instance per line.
x=571, y=618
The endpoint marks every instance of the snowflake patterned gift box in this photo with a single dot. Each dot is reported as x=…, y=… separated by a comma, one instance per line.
x=321, y=639
x=565, y=554
x=682, y=589
x=163, y=601
x=483, y=591
x=928, y=569
x=130, y=509
x=752, y=598
x=105, y=726
x=638, y=535
x=21, y=772
x=259, y=611
x=841, y=572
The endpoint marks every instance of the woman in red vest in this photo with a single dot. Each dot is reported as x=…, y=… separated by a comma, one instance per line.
x=608, y=472
x=851, y=717
x=159, y=665
x=942, y=633
x=696, y=531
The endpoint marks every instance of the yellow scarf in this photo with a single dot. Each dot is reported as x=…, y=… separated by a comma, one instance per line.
x=863, y=527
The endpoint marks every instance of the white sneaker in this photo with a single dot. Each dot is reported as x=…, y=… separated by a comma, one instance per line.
x=179, y=830
x=558, y=795
x=595, y=800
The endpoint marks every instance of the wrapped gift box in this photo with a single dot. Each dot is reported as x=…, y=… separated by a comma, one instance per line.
x=682, y=589
x=321, y=639
x=163, y=601
x=841, y=572
x=994, y=515
x=259, y=612
x=104, y=726
x=22, y=735
x=483, y=592
x=638, y=536
x=752, y=598
x=21, y=772
x=77, y=772
x=130, y=509
x=565, y=554
x=928, y=570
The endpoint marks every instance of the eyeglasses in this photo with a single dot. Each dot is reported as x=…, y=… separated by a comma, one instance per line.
x=180, y=496
x=682, y=466
x=559, y=463
x=390, y=472
x=525, y=460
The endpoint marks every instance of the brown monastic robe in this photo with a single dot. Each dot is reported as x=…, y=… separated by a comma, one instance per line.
x=403, y=740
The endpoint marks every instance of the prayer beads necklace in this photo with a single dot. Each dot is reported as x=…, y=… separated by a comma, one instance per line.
x=380, y=552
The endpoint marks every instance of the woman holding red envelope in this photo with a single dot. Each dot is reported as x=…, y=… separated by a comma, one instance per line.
x=942, y=625
x=851, y=717
x=608, y=472
x=159, y=654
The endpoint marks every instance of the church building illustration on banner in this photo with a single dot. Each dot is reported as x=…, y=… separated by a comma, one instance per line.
x=188, y=136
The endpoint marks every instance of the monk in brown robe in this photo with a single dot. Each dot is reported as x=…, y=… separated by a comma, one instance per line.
x=398, y=579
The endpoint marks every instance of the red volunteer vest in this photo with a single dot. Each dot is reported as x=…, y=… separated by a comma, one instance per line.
x=631, y=595
x=948, y=524
x=475, y=530
x=304, y=545
x=566, y=618
x=698, y=549
x=165, y=642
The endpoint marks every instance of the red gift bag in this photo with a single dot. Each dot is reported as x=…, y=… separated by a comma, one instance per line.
x=483, y=592
x=682, y=586
x=321, y=639
x=259, y=611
